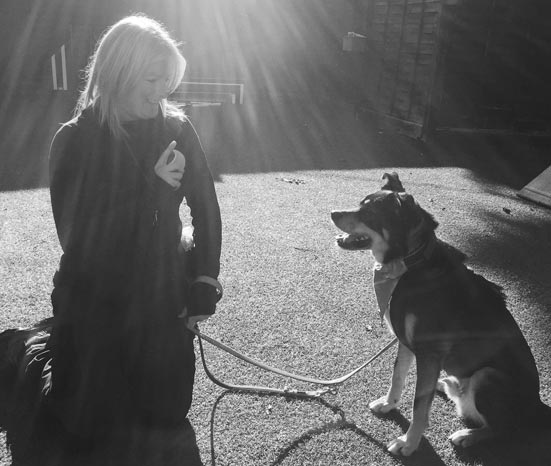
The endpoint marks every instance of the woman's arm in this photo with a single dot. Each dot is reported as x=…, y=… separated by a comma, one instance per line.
x=90, y=225
x=66, y=179
x=201, y=198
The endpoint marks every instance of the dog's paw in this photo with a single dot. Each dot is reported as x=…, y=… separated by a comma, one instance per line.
x=467, y=437
x=383, y=405
x=451, y=386
x=403, y=446
x=462, y=438
x=441, y=386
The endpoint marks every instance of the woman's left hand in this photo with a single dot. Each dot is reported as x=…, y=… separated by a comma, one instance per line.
x=173, y=171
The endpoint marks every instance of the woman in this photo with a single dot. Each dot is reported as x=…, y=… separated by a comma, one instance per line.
x=119, y=171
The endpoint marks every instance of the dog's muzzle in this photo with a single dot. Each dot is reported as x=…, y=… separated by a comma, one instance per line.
x=346, y=240
x=353, y=242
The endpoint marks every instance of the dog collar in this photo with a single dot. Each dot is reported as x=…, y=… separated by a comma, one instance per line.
x=422, y=253
x=386, y=276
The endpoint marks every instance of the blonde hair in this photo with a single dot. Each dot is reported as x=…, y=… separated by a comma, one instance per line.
x=119, y=61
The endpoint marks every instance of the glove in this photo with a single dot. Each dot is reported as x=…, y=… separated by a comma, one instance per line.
x=202, y=299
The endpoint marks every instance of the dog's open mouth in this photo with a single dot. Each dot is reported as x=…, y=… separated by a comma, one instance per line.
x=353, y=242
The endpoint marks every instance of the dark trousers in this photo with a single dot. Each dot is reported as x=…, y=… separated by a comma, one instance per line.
x=112, y=365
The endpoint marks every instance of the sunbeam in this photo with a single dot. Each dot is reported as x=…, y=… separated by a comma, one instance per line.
x=304, y=102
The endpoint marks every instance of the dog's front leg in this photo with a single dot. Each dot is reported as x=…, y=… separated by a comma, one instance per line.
x=428, y=370
x=391, y=400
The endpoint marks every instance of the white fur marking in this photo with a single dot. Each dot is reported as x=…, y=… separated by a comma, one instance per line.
x=409, y=325
x=388, y=323
x=462, y=392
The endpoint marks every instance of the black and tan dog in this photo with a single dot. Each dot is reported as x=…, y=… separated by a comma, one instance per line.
x=446, y=317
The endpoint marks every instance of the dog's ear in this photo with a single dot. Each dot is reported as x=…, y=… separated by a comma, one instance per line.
x=413, y=214
x=392, y=183
x=406, y=215
x=393, y=223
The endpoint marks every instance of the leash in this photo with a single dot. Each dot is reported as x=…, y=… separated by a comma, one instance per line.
x=278, y=391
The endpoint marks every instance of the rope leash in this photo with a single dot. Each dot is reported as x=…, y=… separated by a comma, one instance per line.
x=329, y=384
x=278, y=391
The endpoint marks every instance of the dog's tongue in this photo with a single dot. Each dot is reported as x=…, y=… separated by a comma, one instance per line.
x=352, y=242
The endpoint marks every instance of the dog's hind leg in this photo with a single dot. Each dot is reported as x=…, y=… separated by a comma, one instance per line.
x=484, y=402
x=404, y=359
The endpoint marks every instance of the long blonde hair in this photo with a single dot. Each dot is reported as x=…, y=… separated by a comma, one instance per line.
x=119, y=61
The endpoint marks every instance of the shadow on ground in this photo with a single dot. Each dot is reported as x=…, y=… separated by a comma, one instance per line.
x=532, y=448
x=294, y=450
x=282, y=133
x=293, y=135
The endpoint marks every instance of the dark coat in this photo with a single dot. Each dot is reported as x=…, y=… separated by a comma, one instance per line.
x=118, y=346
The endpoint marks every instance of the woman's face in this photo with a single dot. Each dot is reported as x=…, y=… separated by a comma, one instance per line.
x=142, y=101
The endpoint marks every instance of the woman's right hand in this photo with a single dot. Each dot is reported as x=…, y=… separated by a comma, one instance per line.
x=173, y=171
x=192, y=321
x=202, y=299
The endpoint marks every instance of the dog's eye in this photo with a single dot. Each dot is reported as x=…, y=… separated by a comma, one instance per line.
x=367, y=216
x=366, y=200
x=371, y=218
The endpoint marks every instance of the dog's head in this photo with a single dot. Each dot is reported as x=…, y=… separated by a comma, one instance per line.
x=387, y=222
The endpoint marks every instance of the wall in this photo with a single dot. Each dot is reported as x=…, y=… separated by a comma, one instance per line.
x=402, y=57
x=496, y=66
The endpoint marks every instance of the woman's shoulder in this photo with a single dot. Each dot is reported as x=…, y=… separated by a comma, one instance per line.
x=77, y=126
x=73, y=133
x=67, y=132
x=183, y=131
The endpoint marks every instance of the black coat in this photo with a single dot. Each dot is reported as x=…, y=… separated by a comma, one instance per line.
x=114, y=217
x=117, y=344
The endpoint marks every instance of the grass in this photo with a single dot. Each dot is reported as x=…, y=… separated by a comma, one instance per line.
x=295, y=300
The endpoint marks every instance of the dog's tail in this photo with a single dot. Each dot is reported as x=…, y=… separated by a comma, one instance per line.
x=540, y=418
x=21, y=373
x=12, y=348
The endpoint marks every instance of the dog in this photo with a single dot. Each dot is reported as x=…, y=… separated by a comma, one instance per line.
x=24, y=377
x=446, y=317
